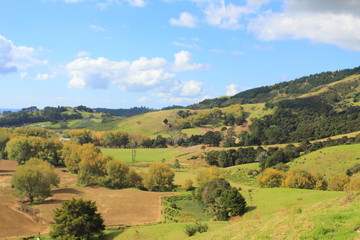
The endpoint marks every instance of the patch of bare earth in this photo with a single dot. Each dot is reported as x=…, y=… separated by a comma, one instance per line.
x=117, y=207
x=14, y=223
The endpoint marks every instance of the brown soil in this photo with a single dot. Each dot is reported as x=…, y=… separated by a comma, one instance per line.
x=117, y=207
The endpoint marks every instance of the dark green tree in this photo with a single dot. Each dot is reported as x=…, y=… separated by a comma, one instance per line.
x=77, y=220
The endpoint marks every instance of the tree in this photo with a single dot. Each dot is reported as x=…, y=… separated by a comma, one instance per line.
x=231, y=203
x=160, y=178
x=338, y=183
x=77, y=220
x=271, y=178
x=34, y=179
x=208, y=174
x=299, y=179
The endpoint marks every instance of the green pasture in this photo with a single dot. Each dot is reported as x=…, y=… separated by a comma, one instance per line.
x=330, y=161
x=142, y=154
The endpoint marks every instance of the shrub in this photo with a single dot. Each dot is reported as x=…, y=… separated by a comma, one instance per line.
x=353, y=185
x=188, y=185
x=299, y=179
x=338, y=183
x=191, y=229
x=271, y=178
x=160, y=178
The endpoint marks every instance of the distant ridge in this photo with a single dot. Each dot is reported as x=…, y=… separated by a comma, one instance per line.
x=8, y=109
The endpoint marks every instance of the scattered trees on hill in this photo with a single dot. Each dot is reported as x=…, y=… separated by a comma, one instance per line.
x=34, y=179
x=78, y=220
x=159, y=178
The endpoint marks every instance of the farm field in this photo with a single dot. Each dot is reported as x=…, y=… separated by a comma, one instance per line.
x=118, y=207
x=142, y=154
x=329, y=161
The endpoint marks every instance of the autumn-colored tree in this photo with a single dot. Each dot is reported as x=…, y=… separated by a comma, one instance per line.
x=353, y=185
x=338, y=182
x=34, y=179
x=271, y=178
x=188, y=185
x=159, y=178
x=299, y=179
x=208, y=174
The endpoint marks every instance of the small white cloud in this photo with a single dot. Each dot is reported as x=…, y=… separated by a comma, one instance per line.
x=23, y=74
x=185, y=20
x=217, y=51
x=191, y=46
x=143, y=99
x=44, y=76
x=231, y=89
x=137, y=3
x=183, y=62
x=83, y=54
x=237, y=53
x=98, y=28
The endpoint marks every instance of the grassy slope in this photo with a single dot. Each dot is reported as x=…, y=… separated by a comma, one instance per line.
x=329, y=161
x=292, y=214
x=150, y=124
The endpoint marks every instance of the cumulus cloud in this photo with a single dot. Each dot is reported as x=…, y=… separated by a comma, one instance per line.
x=185, y=20
x=231, y=89
x=327, y=21
x=142, y=75
x=183, y=62
x=13, y=58
x=226, y=16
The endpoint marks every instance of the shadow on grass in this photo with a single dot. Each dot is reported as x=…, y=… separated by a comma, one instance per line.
x=250, y=208
x=113, y=234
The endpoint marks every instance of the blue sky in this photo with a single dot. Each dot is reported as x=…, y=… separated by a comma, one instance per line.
x=125, y=53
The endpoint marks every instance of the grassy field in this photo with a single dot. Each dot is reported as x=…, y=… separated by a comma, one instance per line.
x=142, y=154
x=329, y=161
x=173, y=231
x=281, y=213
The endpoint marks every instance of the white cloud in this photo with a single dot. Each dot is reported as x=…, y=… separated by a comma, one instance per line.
x=226, y=16
x=13, y=58
x=191, y=46
x=231, y=89
x=83, y=54
x=183, y=62
x=217, y=51
x=237, y=53
x=327, y=21
x=143, y=75
x=98, y=28
x=137, y=3
x=45, y=76
x=190, y=88
x=23, y=74
x=143, y=99
x=185, y=20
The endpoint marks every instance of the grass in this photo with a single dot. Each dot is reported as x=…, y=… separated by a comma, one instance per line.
x=256, y=110
x=173, y=231
x=329, y=161
x=142, y=154
x=239, y=177
x=282, y=213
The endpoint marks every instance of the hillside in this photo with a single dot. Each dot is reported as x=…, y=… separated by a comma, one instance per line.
x=329, y=161
x=279, y=91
